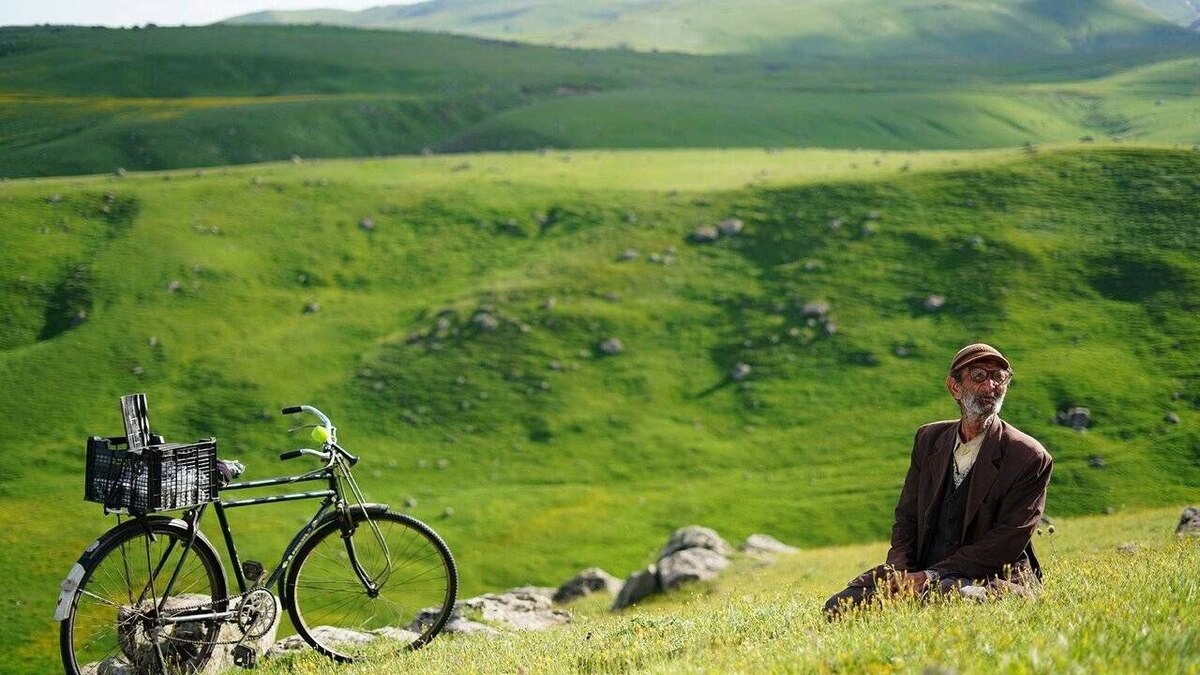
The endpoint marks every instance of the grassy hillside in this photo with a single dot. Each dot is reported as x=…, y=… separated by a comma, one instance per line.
x=81, y=100
x=1081, y=264
x=854, y=29
x=1103, y=610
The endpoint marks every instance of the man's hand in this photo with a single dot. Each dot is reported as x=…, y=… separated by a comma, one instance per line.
x=909, y=582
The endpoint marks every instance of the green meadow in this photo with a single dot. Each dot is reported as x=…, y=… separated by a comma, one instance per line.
x=227, y=293
x=1120, y=597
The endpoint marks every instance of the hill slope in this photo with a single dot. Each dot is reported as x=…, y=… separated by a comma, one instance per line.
x=76, y=100
x=765, y=618
x=857, y=29
x=1081, y=265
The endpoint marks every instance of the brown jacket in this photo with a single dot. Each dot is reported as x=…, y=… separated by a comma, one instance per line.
x=1005, y=499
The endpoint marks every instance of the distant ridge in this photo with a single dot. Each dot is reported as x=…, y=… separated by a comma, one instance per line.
x=821, y=28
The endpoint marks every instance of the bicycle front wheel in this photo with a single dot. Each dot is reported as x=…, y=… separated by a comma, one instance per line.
x=129, y=616
x=386, y=582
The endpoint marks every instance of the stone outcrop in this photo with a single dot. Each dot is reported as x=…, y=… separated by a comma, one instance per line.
x=692, y=553
x=764, y=545
x=690, y=564
x=590, y=580
x=695, y=536
x=639, y=585
x=1189, y=523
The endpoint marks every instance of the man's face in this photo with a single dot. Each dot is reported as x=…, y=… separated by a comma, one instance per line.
x=981, y=387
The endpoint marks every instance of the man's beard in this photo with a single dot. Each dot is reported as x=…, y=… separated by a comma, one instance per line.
x=982, y=406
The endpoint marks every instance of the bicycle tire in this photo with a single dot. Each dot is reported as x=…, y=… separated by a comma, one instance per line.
x=105, y=628
x=417, y=580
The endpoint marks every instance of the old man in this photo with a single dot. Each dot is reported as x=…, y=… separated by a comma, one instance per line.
x=975, y=491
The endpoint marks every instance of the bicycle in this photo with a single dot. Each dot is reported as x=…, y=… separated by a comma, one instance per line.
x=150, y=595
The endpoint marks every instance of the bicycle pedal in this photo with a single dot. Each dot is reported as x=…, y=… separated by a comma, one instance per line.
x=245, y=657
x=252, y=570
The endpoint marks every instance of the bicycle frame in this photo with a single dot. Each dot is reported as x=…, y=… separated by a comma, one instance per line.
x=332, y=501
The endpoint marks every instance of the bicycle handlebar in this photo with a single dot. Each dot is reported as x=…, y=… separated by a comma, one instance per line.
x=331, y=443
x=293, y=454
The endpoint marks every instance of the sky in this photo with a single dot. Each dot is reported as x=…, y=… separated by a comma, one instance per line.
x=161, y=12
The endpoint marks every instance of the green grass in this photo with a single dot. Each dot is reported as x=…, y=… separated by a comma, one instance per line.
x=1102, y=610
x=89, y=100
x=1078, y=262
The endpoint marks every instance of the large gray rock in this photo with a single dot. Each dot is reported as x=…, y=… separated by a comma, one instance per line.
x=457, y=623
x=590, y=580
x=695, y=536
x=1189, y=523
x=765, y=545
x=518, y=609
x=639, y=585
x=690, y=564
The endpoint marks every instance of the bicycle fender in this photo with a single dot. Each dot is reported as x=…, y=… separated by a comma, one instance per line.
x=70, y=585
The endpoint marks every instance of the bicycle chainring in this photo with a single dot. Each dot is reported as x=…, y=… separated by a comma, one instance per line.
x=256, y=613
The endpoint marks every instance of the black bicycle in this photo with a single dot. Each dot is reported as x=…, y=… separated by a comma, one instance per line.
x=151, y=594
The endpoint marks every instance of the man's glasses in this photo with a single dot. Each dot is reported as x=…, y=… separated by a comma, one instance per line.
x=981, y=375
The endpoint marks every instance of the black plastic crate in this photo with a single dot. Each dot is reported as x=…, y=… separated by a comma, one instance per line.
x=163, y=477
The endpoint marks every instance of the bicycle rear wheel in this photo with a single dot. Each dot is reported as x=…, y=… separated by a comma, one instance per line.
x=115, y=622
x=406, y=598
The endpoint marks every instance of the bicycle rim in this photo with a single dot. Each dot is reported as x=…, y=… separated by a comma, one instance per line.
x=112, y=625
x=335, y=612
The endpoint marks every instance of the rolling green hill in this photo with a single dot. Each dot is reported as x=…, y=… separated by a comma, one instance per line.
x=84, y=100
x=199, y=289
x=857, y=29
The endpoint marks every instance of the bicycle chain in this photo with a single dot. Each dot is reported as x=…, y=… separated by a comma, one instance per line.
x=208, y=606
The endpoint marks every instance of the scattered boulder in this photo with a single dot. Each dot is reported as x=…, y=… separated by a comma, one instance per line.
x=1189, y=523
x=705, y=235
x=1096, y=462
x=933, y=303
x=1171, y=418
x=485, y=321
x=1077, y=418
x=739, y=372
x=628, y=254
x=590, y=580
x=611, y=347
x=815, y=310
x=765, y=545
x=639, y=585
x=695, y=536
x=173, y=286
x=731, y=226
x=312, y=308
x=367, y=224
x=690, y=564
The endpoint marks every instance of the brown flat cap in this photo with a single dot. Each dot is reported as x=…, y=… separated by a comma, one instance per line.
x=972, y=353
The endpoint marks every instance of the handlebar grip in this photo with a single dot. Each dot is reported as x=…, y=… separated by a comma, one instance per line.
x=350, y=458
x=291, y=409
x=290, y=454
